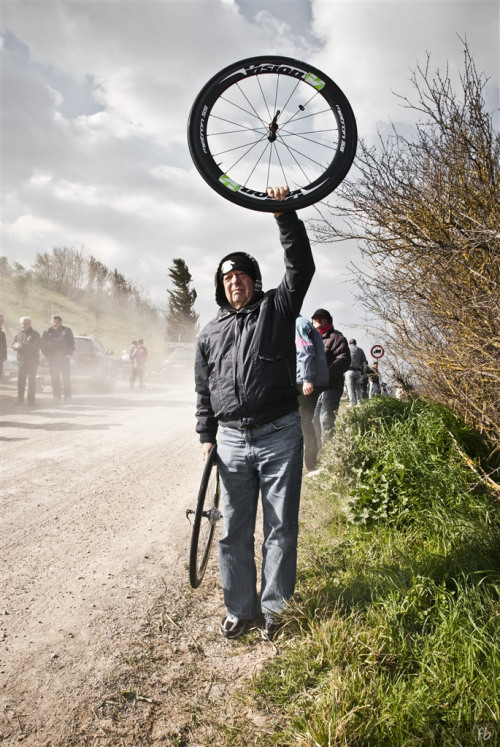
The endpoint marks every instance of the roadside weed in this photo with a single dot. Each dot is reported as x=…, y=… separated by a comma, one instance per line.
x=396, y=615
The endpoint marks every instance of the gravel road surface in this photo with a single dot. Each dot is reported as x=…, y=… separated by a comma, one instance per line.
x=93, y=528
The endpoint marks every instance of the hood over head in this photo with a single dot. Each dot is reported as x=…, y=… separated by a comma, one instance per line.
x=237, y=261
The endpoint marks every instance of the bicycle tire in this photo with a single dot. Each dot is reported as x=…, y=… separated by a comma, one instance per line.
x=206, y=516
x=300, y=92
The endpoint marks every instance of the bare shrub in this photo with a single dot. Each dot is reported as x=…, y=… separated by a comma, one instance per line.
x=425, y=210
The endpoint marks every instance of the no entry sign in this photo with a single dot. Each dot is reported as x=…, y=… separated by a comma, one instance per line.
x=377, y=351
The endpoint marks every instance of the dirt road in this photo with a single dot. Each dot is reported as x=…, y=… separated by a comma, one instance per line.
x=93, y=560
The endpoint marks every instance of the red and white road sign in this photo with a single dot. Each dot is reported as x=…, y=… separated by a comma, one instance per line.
x=377, y=351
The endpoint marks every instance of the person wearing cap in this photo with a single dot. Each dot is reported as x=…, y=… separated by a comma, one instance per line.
x=338, y=358
x=57, y=345
x=247, y=403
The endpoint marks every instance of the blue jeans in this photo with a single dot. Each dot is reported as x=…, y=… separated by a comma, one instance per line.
x=326, y=412
x=266, y=459
x=353, y=384
x=307, y=405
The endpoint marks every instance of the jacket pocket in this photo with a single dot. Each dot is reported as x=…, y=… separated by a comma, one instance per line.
x=275, y=367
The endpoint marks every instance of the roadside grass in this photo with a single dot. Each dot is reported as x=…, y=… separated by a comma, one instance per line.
x=392, y=636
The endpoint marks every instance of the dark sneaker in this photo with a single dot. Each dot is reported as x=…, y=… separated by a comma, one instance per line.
x=232, y=627
x=270, y=629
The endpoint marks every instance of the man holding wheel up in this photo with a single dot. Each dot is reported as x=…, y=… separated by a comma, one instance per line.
x=247, y=403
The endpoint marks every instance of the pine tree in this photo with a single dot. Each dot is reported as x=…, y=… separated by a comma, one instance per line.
x=182, y=320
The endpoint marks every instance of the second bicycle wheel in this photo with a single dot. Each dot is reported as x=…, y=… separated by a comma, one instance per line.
x=206, y=516
x=272, y=121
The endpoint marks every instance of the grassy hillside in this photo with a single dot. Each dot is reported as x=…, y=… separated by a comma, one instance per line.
x=114, y=330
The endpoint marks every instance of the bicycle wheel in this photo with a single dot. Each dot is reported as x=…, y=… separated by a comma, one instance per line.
x=272, y=121
x=206, y=516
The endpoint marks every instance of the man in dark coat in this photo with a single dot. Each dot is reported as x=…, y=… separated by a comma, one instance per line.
x=58, y=344
x=354, y=376
x=27, y=345
x=338, y=359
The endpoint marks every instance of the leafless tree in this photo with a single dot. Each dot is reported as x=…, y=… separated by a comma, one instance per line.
x=97, y=274
x=425, y=210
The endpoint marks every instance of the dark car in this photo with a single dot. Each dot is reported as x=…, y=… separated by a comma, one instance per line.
x=91, y=365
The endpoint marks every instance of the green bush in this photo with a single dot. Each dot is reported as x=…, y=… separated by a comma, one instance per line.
x=394, y=460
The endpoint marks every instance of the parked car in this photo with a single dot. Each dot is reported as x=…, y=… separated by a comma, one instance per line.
x=10, y=367
x=91, y=365
x=180, y=364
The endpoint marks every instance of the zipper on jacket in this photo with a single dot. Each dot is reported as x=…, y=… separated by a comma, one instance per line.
x=238, y=369
x=292, y=382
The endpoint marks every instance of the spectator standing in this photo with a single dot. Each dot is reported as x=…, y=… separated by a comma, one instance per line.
x=138, y=356
x=3, y=348
x=312, y=378
x=27, y=345
x=353, y=376
x=338, y=359
x=373, y=380
x=402, y=390
x=247, y=402
x=58, y=345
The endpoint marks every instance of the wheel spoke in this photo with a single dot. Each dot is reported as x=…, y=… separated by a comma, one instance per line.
x=249, y=147
x=281, y=169
x=251, y=113
x=302, y=136
x=305, y=156
x=292, y=152
x=245, y=181
x=284, y=107
x=239, y=128
x=265, y=99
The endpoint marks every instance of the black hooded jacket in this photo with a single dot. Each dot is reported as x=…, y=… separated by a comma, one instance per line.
x=245, y=359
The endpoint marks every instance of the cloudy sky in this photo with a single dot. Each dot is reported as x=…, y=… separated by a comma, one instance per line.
x=96, y=97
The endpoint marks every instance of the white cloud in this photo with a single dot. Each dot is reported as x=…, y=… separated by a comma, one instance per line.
x=29, y=227
x=372, y=46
